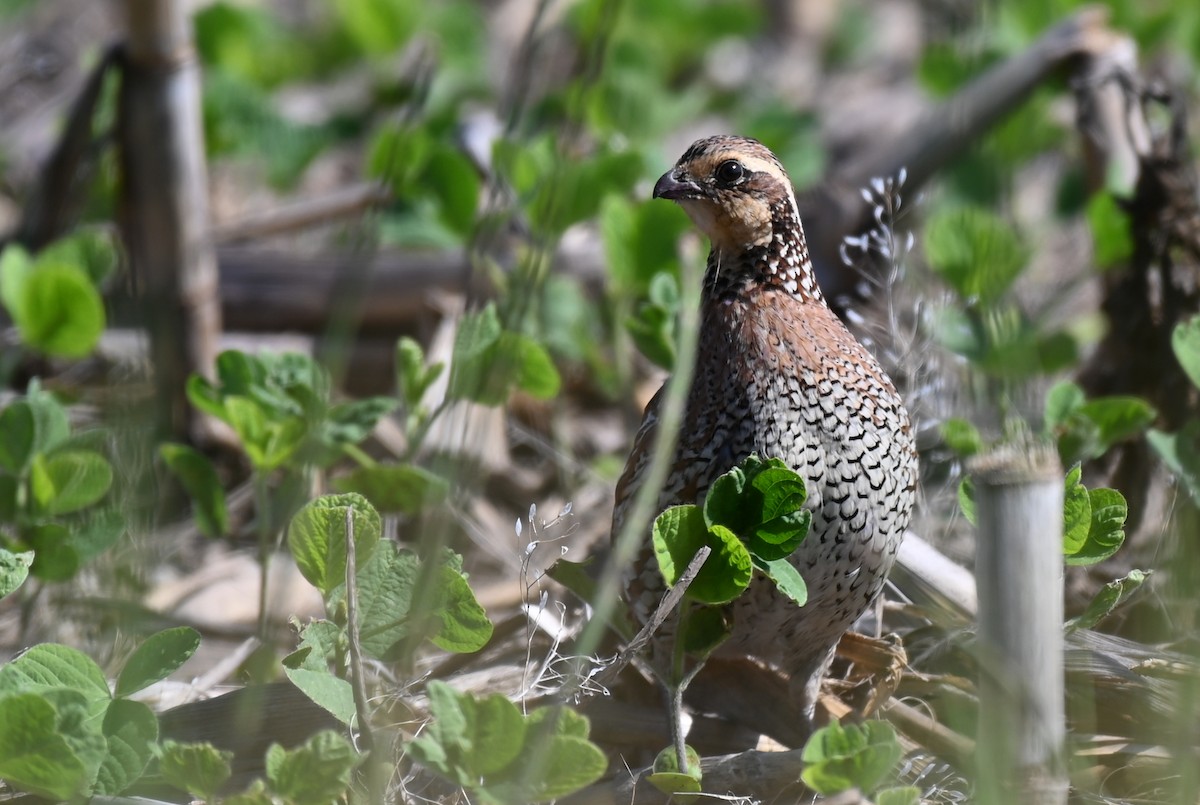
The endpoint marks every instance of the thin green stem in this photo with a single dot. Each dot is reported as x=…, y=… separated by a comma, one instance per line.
x=262, y=504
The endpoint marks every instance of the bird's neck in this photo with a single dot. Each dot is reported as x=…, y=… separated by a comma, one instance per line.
x=781, y=262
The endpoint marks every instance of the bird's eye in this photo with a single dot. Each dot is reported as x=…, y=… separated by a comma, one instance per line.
x=730, y=171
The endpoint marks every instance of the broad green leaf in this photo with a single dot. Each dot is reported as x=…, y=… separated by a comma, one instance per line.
x=455, y=183
x=673, y=781
x=54, y=556
x=1181, y=453
x=403, y=488
x=61, y=312
x=100, y=530
x=465, y=626
x=900, y=795
x=196, y=473
x=130, y=730
x=1118, y=418
x=494, y=734
x=50, y=665
x=705, y=630
x=92, y=249
x=477, y=332
x=441, y=743
x=413, y=378
x=198, y=768
x=205, y=397
x=1185, y=340
x=536, y=374
x=840, y=757
x=962, y=437
x=317, y=538
x=787, y=578
x=723, y=504
x=351, y=422
x=34, y=755
x=69, y=480
x=14, y=569
x=326, y=690
x=18, y=432
x=16, y=266
x=1062, y=400
x=1106, y=531
x=564, y=765
x=376, y=27
x=679, y=532
x=268, y=442
x=975, y=252
x=156, y=658
x=315, y=773
x=1077, y=512
x=1110, y=597
x=1112, y=239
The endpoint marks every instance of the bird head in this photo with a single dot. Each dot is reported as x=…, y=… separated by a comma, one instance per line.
x=734, y=189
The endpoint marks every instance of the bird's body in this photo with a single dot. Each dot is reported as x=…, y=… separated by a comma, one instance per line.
x=778, y=374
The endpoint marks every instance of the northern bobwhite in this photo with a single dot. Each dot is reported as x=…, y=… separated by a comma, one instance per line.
x=778, y=374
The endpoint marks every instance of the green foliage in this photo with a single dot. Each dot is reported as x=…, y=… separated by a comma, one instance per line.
x=487, y=746
x=975, y=252
x=319, y=532
x=198, y=768
x=53, y=299
x=491, y=362
x=859, y=756
x=14, y=569
x=396, y=488
x=51, y=491
x=1110, y=597
x=652, y=324
x=280, y=407
x=669, y=778
x=1111, y=238
x=64, y=735
x=1180, y=451
x=315, y=773
x=199, y=479
x=1093, y=519
x=962, y=437
x=1085, y=429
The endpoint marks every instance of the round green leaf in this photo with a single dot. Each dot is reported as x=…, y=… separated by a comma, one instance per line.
x=69, y=480
x=196, y=473
x=317, y=538
x=679, y=532
x=34, y=756
x=14, y=569
x=131, y=730
x=61, y=311
x=158, y=656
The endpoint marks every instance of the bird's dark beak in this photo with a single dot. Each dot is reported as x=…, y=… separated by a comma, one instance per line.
x=672, y=188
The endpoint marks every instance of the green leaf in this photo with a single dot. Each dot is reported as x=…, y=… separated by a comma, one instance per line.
x=392, y=488
x=156, y=658
x=60, y=312
x=92, y=249
x=787, y=578
x=723, y=504
x=962, y=437
x=413, y=378
x=14, y=569
x=196, y=473
x=465, y=626
x=536, y=374
x=1112, y=239
x=131, y=730
x=1106, y=531
x=679, y=532
x=456, y=184
x=268, y=441
x=50, y=665
x=315, y=773
x=1077, y=512
x=16, y=266
x=351, y=422
x=977, y=253
x=18, y=434
x=1110, y=597
x=69, y=480
x=1181, y=453
x=1118, y=418
x=1062, y=400
x=377, y=27
x=901, y=795
x=54, y=557
x=326, y=690
x=563, y=765
x=317, y=538
x=34, y=755
x=1185, y=340
x=255, y=794
x=859, y=756
x=198, y=768
x=673, y=781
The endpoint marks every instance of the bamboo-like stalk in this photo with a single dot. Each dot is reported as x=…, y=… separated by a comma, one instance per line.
x=164, y=203
x=1019, y=566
